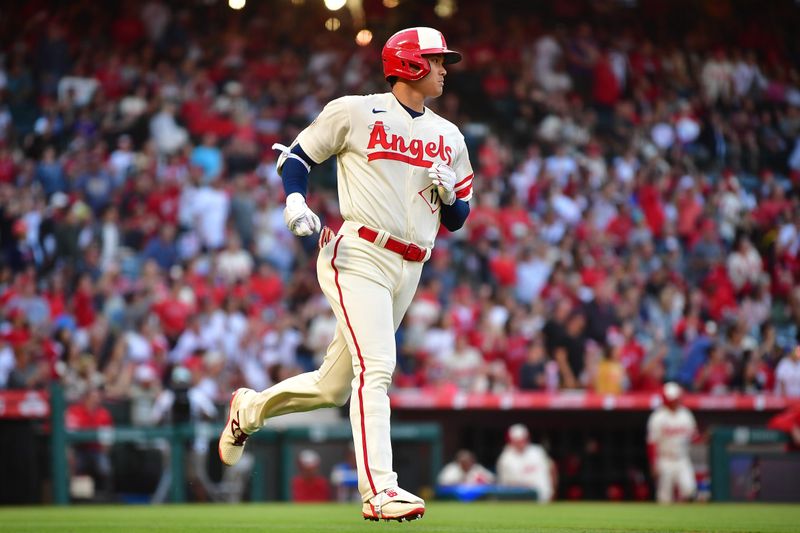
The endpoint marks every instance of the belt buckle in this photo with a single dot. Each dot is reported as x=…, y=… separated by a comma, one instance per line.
x=413, y=253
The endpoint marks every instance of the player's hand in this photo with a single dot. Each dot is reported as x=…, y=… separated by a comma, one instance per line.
x=444, y=178
x=325, y=236
x=298, y=217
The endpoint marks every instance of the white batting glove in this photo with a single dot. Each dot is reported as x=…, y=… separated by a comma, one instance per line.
x=444, y=178
x=298, y=217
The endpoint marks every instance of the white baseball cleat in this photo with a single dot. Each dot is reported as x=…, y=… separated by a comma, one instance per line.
x=394, y=504
x=231, y=440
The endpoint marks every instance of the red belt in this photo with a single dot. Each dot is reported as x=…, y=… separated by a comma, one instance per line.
x=410, y=252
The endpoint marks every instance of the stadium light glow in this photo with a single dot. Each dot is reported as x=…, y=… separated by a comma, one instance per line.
x=332, y=24
x=445, y=8
x=236, y=4
x=391, y=3
x=364, y=37
x=334, y=5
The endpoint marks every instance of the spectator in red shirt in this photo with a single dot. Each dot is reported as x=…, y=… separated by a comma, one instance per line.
x=90, y=458
x=83, y=302
x=605, y=90
x=19, y=332
x=309, y=485
x=621, y=225
x=504, y=268
x=652, y=205
x=266, y=285
x=8, y=170
x=173, y=313
x=715, y=376
x=631, y=353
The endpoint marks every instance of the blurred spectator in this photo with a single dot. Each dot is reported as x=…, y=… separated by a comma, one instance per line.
x=162, y=248
x=533, y=372
x=208, y=157
x=234, y=264
x=309, y=485
x=184, y=400
x=716, y=374
x=570, y=351
x=90, y=458
x=122, y=160
x=464, y=470
x=610, y=375
x=30, y=370
x=787, y=374
x=522, y=464
x=344, y=478
x=167, y=134
x=744, y=265
x=464, y=365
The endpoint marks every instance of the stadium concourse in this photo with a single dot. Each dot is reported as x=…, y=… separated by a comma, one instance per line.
x=636, y=216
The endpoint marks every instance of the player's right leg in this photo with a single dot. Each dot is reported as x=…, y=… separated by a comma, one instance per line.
x=666, y=483
x=362, y=283
x=328, y=386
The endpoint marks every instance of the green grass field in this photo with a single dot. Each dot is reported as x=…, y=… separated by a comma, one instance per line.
x=441, y=517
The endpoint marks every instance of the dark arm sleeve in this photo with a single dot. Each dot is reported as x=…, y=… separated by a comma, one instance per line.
x=454, y=216
x=294, y=174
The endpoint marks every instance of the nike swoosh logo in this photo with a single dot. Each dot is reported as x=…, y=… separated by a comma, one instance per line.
x=378, y=110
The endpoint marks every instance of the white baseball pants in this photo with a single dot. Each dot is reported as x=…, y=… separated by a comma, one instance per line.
x=369, y=289
x=672, y=474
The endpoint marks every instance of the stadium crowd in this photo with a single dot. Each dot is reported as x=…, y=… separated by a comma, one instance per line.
x=636, y=215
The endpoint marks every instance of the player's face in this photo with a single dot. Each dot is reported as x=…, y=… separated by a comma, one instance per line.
x=432, y=84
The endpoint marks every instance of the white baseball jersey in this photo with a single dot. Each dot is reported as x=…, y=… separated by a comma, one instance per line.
x=530, y=469
x=671, y=432
x=383, y=159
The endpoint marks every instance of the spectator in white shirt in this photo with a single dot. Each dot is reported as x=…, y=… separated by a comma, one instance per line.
x=787, y=375
x=211, y=205
x=744, y=264
x=465, y=470
x=717, y=77
x=560, y=166
x=122, y=160
x=526, y=465
x=234, y=263
x=463, y=365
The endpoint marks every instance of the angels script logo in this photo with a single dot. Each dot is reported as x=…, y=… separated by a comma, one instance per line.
x=396, y=148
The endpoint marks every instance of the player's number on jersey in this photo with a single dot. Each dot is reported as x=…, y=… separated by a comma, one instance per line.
x=434, y=195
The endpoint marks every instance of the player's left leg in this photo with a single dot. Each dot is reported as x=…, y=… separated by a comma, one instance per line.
x=326, y=387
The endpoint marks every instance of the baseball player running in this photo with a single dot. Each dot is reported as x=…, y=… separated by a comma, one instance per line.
x=402, y=171
x=670, y=429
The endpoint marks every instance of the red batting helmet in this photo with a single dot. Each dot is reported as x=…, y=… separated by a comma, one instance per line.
x=406, y=49
x=671, y=393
